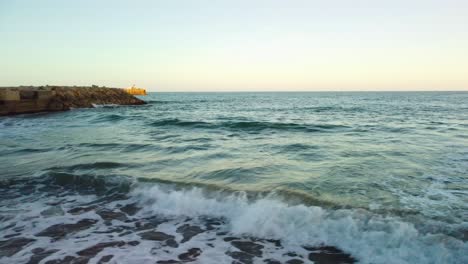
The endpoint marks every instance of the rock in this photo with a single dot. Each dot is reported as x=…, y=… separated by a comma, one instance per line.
x=329, y=255
x=171, y=261
x=130, y=209
x=271, y=261
x=37, y=250
x=156, y=236
x=248, y=247
x=109, y=215
x=40, y=254
x=69, y=260
x=133, y=243
x=19, y=100
x=144, y=226
x=105, y=259
x=295, y=261
x=275, y=241
x=292, y=254
x=248, y=250
x=59, y=231
x=213, y=223
x=172, y=243
x=94, y=250
x=10, y=247
x=190, y=255
x=159, y=236
x=243, y=257
x=189, y=231
x=81, y=210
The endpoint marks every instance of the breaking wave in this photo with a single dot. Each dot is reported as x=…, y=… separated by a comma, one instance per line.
x=366, y=235
x=371, y=238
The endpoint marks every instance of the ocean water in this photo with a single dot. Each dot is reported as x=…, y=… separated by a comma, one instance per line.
x=367, y=177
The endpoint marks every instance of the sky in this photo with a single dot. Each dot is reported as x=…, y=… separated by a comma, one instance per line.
x=242, y=45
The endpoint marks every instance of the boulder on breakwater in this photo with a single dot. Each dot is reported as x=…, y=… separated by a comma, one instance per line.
x=33, y=99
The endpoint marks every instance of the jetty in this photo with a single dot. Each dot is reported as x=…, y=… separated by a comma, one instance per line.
x=34, y=99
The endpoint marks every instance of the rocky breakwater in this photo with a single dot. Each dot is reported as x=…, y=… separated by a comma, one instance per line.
x=21, y=100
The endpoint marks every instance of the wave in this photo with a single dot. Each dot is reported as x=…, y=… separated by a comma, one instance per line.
x=371, y=238
x=177, y=122
x=318, y=109
x=27, y=151
x=99, y=176
x=69, y=178
x=105, y=105
x=116, y=146
x=250, y=125
x=108, y=118
x=367, y=236
x=94, y=166
x=160, y=102
x=88, y=176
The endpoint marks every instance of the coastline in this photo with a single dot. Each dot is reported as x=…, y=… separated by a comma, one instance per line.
x=35, y=99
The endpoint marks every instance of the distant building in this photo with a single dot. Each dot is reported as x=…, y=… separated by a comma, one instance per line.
x=135, y=91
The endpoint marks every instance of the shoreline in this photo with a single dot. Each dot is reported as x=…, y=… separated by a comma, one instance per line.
x=120, y=223
x=69, y=219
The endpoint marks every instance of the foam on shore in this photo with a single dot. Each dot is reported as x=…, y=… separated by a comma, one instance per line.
x=212, y=227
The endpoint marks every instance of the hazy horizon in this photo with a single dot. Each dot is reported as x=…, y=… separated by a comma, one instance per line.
x=204, y=46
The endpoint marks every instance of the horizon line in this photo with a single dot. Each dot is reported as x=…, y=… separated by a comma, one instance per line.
x=250, y=91
x=300, y=91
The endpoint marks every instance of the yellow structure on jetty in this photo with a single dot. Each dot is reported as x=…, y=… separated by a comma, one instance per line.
x=135, y=91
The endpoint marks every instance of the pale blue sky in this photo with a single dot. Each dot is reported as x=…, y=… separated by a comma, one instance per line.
x=236, y=45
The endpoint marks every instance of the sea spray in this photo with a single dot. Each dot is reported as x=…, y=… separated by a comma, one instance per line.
x=372, y=238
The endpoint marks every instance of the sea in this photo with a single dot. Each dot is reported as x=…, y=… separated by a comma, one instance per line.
x=254, y=177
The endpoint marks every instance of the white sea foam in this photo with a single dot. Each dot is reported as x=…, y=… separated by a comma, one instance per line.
x=104, y=105
x=369, y=237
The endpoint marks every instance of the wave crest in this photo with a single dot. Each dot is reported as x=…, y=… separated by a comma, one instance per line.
x=371, y=238
x=250, y=125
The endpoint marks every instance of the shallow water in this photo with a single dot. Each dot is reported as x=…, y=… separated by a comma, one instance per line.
x=381, y=176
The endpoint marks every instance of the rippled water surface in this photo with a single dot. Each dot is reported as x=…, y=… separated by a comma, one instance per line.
x=380, y=160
